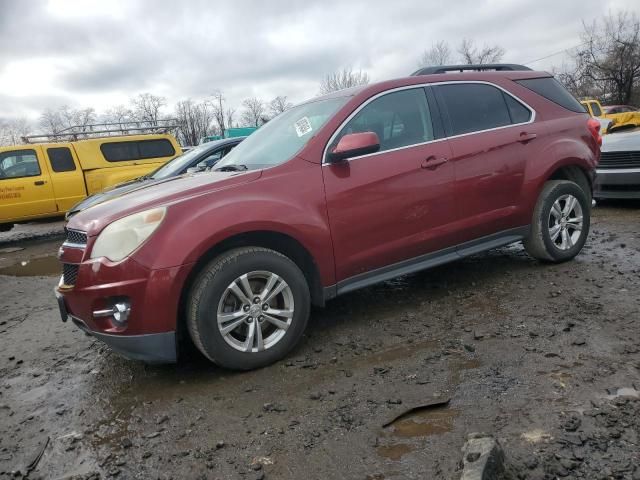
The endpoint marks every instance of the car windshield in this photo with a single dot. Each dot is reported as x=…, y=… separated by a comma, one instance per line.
x=179, y=163
x=279, y=139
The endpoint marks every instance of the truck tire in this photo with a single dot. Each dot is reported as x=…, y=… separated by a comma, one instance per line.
x=560, y=223
x=248, y=308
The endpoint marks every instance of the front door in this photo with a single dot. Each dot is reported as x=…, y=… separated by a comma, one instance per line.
x=395, y=204
x=25, y=186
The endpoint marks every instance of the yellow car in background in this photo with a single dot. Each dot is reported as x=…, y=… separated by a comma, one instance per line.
x=40, y=180
x=620, y=118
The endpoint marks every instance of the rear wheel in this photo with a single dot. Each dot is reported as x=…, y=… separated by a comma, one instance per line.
x=248, y=308
x=560, y=223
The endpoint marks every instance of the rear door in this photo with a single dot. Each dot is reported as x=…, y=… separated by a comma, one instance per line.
x=395, y=204
x=491, y=136
x=25, y=184
x=67, y=177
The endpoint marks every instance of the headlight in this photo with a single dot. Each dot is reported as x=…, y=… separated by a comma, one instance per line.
x=119, y=239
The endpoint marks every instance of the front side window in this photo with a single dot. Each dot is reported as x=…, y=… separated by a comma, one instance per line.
x=137, y=150
x=595, y=109
x=473, y=107
x=400, y=119
x=19, y=163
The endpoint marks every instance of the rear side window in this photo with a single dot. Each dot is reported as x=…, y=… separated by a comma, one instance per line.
x=137, y=150
x=472, y=107
x=61, y=159
x=519, y=113
x=19, y=163
x=551, y=89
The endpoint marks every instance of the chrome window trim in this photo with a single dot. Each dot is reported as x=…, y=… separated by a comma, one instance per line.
x=422, y=85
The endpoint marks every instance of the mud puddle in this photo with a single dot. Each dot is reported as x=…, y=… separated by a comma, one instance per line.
x=421, y=423
x=34, y=267
x=425, y=423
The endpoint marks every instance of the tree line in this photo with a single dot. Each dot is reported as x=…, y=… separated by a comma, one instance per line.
x=606, y=66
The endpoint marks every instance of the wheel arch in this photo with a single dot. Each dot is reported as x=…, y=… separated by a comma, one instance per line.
x=576, y=173
x=277, y=241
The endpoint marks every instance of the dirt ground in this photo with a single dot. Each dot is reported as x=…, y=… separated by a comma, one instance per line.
x=544, y=357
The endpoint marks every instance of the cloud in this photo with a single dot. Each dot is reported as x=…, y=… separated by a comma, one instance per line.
x=97, y=53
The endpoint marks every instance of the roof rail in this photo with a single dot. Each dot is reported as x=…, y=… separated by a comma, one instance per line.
x=482, y=67
x=107, y=129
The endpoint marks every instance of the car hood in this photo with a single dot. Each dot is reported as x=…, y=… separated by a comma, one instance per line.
x=626, y=140
x=155, y=194
x=111, y=193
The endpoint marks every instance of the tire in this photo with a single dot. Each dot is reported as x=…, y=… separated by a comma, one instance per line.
x=547, y=240
x=215, y=303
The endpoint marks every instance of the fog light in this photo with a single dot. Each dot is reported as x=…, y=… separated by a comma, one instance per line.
x=118, y=313
x=121, y=312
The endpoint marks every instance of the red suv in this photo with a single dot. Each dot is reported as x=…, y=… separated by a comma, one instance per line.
x=335, y=194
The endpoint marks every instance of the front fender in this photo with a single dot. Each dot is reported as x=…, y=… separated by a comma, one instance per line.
x=293, y=205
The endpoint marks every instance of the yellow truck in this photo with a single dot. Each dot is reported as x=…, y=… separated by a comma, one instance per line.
x=40, y=180
x=618, y=120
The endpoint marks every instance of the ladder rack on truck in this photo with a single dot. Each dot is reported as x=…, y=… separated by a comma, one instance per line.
x=107, y=129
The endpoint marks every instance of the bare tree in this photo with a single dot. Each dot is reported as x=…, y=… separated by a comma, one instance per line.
x=118, y=114
x=231, y=112
x=344, y=78
x=472, y=54
x=254, y=113
x=12, y=131
x=609, y=61
x=279, y=105
x=56, y=121
x=438, y=54
x=147, y=108
x=50, y=122
x=195, y=120
x=223, y=115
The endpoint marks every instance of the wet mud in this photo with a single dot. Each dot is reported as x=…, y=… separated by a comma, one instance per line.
x=544, y=357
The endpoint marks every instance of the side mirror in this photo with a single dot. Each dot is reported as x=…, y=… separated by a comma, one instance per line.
x=354, y=145
x=197, y=169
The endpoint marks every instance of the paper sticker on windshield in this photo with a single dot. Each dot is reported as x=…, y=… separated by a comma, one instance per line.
x=303, y=126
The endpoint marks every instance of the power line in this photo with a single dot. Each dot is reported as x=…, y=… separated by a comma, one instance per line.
x=556, y=53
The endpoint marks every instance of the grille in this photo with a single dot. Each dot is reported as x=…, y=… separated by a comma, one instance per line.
x=619, y=159
x=74, y=236
x=69, y=273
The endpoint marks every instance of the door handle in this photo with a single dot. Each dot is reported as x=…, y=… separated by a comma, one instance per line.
x=526, y=137
x=39, y=182
x=431, y=163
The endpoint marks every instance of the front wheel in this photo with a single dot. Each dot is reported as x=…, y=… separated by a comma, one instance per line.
x=248, y=308
x=560, y=223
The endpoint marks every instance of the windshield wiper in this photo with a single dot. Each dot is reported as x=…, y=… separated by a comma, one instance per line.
x=231, y=168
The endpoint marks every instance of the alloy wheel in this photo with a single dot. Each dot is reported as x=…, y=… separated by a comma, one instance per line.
x=255, y=311
x=565, y=222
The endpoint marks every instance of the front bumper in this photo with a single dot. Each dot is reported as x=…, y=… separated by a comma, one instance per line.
x=617, y=183
x=149, y=348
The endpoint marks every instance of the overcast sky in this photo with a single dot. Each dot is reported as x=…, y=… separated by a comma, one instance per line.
x=100, y=53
